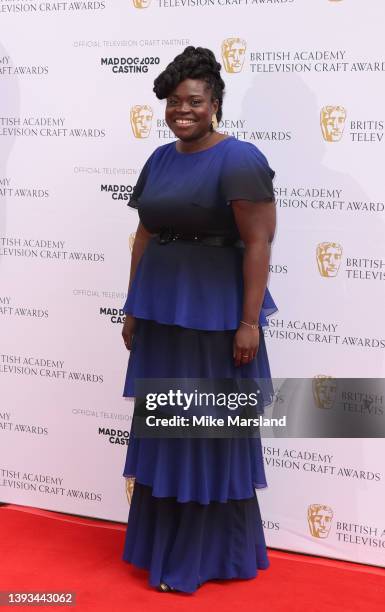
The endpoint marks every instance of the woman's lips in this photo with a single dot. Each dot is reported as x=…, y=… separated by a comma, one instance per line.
x=184, y=122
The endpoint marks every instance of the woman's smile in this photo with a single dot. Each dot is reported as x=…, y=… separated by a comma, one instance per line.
x=184, y=122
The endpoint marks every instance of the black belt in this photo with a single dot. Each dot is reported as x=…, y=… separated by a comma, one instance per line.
x=169, y=235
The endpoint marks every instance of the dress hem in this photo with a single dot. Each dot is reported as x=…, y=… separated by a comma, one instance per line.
x=156, y=319
x=231, y=576
x=180, y=500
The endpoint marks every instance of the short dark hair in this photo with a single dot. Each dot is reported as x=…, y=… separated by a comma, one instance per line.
x=193, y=63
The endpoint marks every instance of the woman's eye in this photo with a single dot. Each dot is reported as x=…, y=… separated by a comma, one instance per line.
x=196, y=102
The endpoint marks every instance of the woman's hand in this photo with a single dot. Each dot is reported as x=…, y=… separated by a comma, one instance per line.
x=128, y=330
x=245, y=345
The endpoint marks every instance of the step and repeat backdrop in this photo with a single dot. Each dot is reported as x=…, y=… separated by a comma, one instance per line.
x=304, y=82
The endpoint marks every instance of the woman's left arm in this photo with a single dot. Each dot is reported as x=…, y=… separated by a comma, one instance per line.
x=256, y=225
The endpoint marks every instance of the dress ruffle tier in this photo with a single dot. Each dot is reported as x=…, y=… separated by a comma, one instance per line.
x=184, y=545
x=194, y=286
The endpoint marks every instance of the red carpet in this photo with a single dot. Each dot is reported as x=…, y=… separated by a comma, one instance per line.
x=48, y=551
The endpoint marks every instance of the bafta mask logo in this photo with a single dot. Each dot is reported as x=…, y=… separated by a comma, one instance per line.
x=333, y=122
x=329, y=255
x=319, y=518
x=233, y=54
x=140, y=4
x=324, y=391
x=131, y=240
x=141, y=118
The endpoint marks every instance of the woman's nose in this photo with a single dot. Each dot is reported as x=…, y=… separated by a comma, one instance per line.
x=185, y=106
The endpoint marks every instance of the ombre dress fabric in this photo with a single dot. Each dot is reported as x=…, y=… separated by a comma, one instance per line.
x=194, y=514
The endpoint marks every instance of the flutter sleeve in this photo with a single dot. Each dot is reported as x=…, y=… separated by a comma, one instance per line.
x=140, y=183
x=246, y=174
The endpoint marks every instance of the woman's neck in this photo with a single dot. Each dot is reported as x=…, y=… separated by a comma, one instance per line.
x=199, y=144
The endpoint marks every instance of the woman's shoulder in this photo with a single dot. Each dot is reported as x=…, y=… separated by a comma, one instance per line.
x=244, y=149
x=162, y=150
x=241, y=153
x=157, y=154
x=151, y=163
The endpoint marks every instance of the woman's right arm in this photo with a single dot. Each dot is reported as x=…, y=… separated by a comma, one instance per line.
x=142, y=238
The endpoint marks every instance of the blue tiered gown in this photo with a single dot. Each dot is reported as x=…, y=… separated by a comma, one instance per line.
x=194, y=515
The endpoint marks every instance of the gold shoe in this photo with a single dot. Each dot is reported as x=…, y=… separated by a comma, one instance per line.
x=165, y=588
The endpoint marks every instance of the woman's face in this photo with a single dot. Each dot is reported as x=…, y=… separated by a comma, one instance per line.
x=189, y=109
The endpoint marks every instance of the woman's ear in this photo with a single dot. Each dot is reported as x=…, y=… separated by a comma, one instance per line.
x=215, y=105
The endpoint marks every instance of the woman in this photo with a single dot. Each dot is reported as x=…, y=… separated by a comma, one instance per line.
x=196, y=302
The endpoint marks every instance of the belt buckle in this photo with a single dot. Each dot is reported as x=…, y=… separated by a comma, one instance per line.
x=166, y=235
